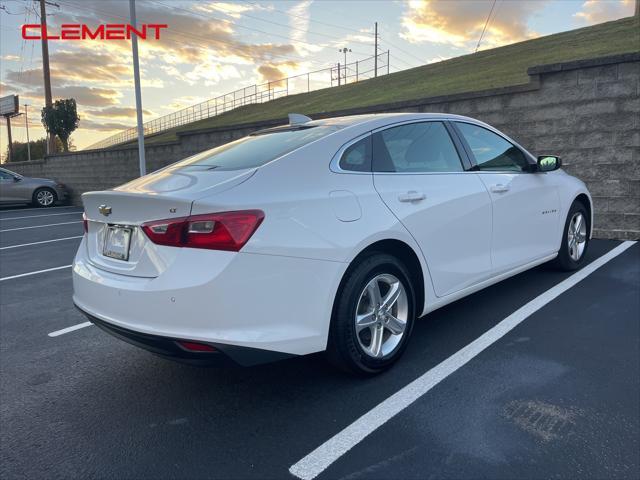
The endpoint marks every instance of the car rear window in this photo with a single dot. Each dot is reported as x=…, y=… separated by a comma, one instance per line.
x=257, y=149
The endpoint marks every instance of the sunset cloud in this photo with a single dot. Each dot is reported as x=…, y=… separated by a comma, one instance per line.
x=85, y=96
x=276, y=71
x=460, y=23
x=598, y=11
x=234, y=10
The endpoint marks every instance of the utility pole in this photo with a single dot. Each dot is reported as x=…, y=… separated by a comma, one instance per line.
x=637, y=12
x=136, y=80
x=10, y=140
x=45, y=69
x=26, y=124
x=375, y=57
x=338, y=73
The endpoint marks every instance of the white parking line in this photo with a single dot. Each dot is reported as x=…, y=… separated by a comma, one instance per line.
x=28, y=274
x=38, y=226
x=38, y=216
x=41, y=209
x=330, y=451
x=39, y=243
x=70, y=329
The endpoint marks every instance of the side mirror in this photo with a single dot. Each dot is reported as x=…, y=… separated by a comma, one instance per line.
x=17, y=179
x=548, y=163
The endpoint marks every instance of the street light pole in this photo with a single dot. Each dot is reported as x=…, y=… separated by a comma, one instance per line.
x=26, y=124
x=344, y=50
x=136, y=80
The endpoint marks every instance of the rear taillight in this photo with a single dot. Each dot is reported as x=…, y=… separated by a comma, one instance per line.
x=85, y=222
x=215, y=231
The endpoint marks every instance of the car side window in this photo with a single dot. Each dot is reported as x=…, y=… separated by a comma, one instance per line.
x=357, y=157
x=5, y=176
x=415, y=147
x=492, y=152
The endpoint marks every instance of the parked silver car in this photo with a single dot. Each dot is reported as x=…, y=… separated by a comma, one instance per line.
x=41, y=192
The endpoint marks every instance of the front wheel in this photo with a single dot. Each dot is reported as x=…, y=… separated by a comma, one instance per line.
x=373, y=316
x=575, y=239
x=44, y=197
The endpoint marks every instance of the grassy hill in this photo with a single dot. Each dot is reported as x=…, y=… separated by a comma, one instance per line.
x=498, y=67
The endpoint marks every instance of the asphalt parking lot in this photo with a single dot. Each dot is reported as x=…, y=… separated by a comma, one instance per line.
x=556, y=397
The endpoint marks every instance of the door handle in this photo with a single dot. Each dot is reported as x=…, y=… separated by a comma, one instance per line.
x=411, y=196
x=499, y=188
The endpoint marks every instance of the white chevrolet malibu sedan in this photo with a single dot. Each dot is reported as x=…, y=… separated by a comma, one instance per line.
x=331, y=235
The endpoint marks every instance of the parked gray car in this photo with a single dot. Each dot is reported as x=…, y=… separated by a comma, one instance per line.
x=41, y=192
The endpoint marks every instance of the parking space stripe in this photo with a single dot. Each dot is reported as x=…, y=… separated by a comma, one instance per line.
x=39, y=226
x=28, y=274
x=40, y=243
x=39, y=216
x=70, y=329
x=31, y=209
x=322, y=457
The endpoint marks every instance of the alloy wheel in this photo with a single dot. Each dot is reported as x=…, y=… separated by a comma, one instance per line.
x=577, y=236
x=44, y=198
x=381, y=315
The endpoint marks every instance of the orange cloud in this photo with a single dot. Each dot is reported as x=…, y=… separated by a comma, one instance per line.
x=598, y=11
x=460, y=23
x=276, y=71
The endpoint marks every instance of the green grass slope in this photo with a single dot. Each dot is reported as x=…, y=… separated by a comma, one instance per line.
x=498, y=67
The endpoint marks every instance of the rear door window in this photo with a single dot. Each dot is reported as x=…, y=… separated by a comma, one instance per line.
x=415, y=147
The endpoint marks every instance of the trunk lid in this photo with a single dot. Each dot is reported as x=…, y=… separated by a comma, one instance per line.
x=118, y=213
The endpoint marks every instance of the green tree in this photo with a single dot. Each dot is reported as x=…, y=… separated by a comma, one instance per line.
x=61, y=119
x=38, y=149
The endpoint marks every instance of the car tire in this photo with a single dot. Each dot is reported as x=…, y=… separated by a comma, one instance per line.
x=575, y=239
x=44, y=197
x=353, y=347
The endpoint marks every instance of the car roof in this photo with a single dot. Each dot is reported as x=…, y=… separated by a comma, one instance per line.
x=381, y=119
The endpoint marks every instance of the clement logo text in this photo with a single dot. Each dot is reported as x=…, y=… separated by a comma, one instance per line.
x=80, y=31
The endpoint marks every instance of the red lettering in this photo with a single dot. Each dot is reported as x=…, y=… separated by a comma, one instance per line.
x=87, y=33
x=80, y=31
x=70, y=31
x=46, y=35
x=115, y=31
x=30, y=26
x=138, y=33
x=157, y=28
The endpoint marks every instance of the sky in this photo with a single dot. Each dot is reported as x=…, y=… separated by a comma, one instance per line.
x=211, y=48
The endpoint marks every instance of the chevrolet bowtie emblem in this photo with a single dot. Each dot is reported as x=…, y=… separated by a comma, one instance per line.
x=104, y=210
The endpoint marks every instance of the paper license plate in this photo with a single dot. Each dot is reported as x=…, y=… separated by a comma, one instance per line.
x=116, y=243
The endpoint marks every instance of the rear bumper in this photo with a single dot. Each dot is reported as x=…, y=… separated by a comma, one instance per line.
x=261, y=302
x=170, y=347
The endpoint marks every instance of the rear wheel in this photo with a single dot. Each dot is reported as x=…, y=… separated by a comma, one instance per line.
x=373, y=316
x=575, y=238
x=44, y=197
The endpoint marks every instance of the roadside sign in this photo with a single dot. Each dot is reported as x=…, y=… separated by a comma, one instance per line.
x=9, y=105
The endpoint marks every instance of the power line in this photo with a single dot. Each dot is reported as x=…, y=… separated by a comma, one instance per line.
x=202, y=15
x=332, y=37
x=384, y=46
x=485, y=25
x=421, y=60
x=319, y=22
x=180, y=33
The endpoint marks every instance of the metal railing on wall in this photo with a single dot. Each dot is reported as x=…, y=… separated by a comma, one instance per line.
x=265, y=92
